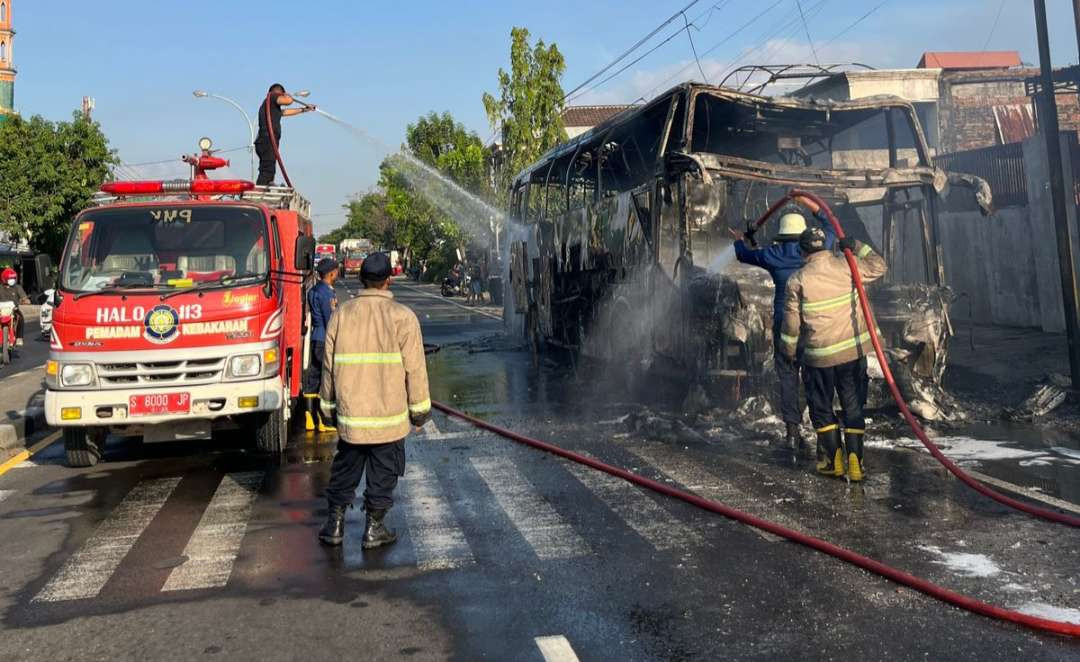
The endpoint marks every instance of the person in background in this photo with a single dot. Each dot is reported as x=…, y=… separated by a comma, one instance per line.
x=277, y=100
x=822, y=313
x=781, y=259
x=376, y=384
x=322, y=301
x=10, y=290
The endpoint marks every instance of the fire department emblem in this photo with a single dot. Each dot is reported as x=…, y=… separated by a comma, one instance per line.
x=162, y=324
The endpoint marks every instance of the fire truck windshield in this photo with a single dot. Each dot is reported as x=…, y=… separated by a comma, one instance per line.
x=165, y=248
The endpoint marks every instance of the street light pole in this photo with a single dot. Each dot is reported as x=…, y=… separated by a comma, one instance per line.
x=1048, y=122
x=247, y=120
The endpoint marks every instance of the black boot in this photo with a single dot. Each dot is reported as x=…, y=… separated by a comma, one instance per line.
x=333, y=531
x=794, y=438
x=375, y=532
x=829, y=452
x=853, y=440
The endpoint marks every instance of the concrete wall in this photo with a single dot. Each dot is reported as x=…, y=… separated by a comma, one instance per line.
x=1003, y=266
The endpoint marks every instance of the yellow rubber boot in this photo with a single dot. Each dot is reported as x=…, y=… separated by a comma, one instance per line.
x=853, y=440
x=323, y=425
x=830, y=451
x=310, y=403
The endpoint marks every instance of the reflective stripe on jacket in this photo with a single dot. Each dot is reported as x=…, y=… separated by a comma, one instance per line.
x=822, y=305
x=374, y=371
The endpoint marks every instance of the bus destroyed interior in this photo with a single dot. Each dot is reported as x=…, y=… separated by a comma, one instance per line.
x=619, y=245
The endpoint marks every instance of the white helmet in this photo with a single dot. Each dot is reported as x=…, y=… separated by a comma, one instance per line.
x=792, y=225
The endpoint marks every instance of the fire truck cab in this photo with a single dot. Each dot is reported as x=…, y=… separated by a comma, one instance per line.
x=180, y=309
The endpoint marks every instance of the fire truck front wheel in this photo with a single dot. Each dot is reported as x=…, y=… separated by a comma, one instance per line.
x=271, y=432
x=84, y=446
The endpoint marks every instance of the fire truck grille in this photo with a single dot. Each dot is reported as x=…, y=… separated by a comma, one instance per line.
x=161, y=373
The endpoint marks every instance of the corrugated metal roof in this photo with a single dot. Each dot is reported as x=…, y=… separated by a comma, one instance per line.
x=590, y=115
x=1015, y=122
x=969, y=60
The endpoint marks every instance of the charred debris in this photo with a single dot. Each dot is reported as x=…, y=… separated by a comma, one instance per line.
x=619, y=247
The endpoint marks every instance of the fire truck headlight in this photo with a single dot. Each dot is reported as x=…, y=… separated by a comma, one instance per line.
x=76, y=374
x=245, y=365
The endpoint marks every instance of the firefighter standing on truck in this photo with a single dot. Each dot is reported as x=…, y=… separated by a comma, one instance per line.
x=322, y=300
x=376, y=382
x=782, y=259
x=822, y=307
x=274, y=105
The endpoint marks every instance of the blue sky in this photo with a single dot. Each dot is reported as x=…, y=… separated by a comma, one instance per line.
x=382, y=64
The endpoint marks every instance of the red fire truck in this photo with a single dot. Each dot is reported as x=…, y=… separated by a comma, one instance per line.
x=180, y=309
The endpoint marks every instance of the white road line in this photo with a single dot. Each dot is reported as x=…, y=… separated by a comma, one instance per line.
x=541, y=526
x=4, y=494
x=436, y=535
x=1025, y=491
x=699, y=481
x=87, y=571
x=215, y=543
x=556, y=649
x=471, y=309
x=431, y=432
x=644, y=515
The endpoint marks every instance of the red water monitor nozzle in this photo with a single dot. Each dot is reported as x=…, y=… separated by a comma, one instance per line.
x=205, y=161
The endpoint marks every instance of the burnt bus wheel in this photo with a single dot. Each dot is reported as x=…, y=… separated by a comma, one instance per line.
x=271, y=433
x=83, y=446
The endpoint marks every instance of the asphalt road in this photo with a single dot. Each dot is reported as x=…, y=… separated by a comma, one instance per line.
x=177, y=551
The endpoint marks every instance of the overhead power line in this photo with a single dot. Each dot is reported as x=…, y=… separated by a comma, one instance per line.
x=717, y=45
x=630, y=50
x=806, y=28
x=994, y=26
x=855, y=22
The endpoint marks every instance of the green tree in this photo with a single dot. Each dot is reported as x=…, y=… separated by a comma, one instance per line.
x=527, y=112
x=49, y=171
x=445, y=144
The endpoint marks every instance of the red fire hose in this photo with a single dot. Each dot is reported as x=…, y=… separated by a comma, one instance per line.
x=273, y=141
x=1044, y=513
x=899, y=576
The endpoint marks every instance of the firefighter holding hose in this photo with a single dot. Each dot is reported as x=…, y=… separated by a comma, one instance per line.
x=781, y=259
x=273, y=106
x=822, y=313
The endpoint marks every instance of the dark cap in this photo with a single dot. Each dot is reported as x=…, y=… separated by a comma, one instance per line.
x=376, y=267
x=812, y=240
x=326, y=265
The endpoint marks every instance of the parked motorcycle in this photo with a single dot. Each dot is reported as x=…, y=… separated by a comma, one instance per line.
x=450, y=286
x=8, y=310
x=46, y=313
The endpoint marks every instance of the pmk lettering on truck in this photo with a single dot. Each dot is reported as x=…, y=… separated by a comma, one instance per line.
x=180, y=309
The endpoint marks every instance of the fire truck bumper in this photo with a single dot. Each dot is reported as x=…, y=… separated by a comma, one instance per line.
x=112, y=407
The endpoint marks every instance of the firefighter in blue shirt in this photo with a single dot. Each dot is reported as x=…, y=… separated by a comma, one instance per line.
x=322, y=300
x=782, y=259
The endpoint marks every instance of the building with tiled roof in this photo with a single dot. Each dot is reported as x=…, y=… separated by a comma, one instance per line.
x=579, y=119
x=969, y=60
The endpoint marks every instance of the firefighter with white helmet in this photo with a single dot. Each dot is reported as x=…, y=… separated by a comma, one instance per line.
x=781, y=259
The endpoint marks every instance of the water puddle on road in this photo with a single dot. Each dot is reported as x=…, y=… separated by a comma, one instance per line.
x=1044, y=460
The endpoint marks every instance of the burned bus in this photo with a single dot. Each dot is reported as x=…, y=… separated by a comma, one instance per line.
x=618, y=244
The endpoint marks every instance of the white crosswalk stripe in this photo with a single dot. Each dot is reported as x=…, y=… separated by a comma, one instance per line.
x=556, y=649
x=644, y=515
x=699, y=481
x=435, y=533
x=215, y=543
x=85, y=573
x=541, y=526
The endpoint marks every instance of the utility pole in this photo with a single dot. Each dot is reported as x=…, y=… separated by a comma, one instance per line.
x=1048, y=120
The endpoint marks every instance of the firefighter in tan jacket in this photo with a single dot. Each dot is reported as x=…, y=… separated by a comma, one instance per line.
x=375, y=382
x=822, y=306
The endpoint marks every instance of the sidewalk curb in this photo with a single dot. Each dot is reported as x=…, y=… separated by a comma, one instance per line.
x=24, y=425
